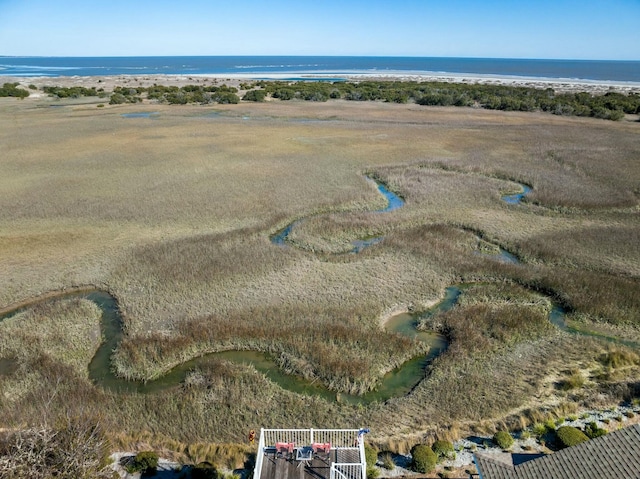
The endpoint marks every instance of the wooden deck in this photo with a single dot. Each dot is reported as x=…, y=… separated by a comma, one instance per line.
x=276, y=467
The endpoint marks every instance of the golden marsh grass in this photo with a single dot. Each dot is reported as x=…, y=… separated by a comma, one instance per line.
x=173, y=215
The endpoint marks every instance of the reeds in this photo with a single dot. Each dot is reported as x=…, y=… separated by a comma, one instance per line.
x=67, y=330
x=174, y=217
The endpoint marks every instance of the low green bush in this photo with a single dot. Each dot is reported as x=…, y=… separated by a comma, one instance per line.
x=539, y=429
x=372, y=472
x=226, y=98
x=592, y=430
x=117, y=99
x=570, y=436
x=11, y=89
x=145, y=462
x=423, y=460
x=255, y=95
x=370, y=454
x=442, y=449
x=69, y=92
x=503, y=439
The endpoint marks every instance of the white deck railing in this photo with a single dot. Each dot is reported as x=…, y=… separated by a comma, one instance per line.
x=349, y=439
x=257, y=470
x=348, y=471
x=342, y=438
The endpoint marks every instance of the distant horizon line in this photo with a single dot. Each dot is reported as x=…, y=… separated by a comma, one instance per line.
x=328, y=56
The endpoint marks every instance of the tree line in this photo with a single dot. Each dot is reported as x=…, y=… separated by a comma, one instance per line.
x=611, y=105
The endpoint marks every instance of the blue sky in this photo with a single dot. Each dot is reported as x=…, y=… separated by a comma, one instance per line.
x=589, y=29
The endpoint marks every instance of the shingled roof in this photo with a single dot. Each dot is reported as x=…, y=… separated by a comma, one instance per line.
x=613, y=456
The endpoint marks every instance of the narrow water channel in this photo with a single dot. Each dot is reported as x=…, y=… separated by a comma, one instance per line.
x=395, y=383
x=517, y=197
x=393, y=203
x=141, y=114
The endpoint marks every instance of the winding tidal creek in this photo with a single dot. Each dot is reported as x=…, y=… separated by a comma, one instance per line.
x=395, y=383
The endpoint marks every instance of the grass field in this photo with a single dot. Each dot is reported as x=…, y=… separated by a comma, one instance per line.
x=173, y=215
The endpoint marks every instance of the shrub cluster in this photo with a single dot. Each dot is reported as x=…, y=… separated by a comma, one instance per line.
x=503, y=439
x=423, y=459
x=611, y=105
x=322, y=91
x=371, y=456
x=443, y=449
x=177, y=95
x=11, y=89
x=255, y=95
x=72, y=92
x=119, y=98
x=592, y=430
x=145, y=462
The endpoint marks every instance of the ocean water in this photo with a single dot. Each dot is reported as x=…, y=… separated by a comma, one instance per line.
x=294, y=66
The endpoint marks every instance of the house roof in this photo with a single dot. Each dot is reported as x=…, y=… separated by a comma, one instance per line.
x=613, y=456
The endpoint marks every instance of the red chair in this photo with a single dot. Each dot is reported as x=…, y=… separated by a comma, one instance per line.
x=321, y=447
x=285, y=449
